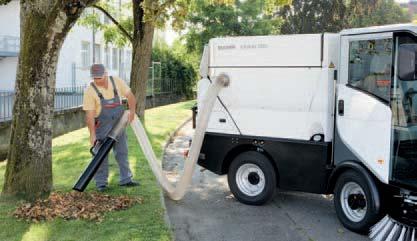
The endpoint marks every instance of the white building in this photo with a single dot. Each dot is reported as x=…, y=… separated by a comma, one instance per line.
x=77, y=54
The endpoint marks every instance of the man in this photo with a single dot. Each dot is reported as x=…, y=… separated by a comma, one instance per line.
x=103, y=107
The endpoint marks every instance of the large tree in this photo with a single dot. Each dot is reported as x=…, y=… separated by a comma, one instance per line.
x=137, y=30
x=209, y=19
x=381, y=12
x=44, y=25
x=312, y=16
x=317, y=16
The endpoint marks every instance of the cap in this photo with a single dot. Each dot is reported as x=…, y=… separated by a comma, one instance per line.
x=97, y=70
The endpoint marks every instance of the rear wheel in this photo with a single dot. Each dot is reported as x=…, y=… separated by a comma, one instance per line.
x=252, y=178
x=354, y=202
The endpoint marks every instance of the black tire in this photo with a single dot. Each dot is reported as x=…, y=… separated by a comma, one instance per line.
x=264, y=166
x=373, y=211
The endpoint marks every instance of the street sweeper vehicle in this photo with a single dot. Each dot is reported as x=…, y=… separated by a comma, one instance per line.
x=319, y=113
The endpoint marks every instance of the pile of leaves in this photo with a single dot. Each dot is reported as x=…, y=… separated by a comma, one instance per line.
x=74, y=205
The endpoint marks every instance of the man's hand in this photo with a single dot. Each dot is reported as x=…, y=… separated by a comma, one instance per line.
x=131, y=100
x=92, y=139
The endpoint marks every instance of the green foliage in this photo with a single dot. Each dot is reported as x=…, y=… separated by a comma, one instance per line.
x=111, y=32
x=178, y=66
x=383, y=12
x=316, y=16
x=312, y=16
x=157, y=12
x=4, y=2
x=209, y=19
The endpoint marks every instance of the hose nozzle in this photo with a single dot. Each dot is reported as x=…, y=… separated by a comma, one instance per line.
x=223, y=79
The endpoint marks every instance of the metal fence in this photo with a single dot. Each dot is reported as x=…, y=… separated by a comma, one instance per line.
x=9, y=45
x=157, y=85
x=6, y=105
x=70, y=97
x=65, y=98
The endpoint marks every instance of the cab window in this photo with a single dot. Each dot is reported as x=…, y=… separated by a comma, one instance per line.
x=370, y=66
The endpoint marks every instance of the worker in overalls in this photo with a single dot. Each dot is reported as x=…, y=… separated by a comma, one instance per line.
x=103, y=106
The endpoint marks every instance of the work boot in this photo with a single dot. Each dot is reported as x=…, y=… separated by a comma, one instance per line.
x=130, y=184
x=101, y=188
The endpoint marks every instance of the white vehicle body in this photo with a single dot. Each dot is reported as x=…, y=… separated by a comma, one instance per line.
x=314, y=103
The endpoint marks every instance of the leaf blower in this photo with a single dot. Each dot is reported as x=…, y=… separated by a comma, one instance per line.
x=99, y=151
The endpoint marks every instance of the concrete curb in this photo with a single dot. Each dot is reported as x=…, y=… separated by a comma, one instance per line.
x=168, y=141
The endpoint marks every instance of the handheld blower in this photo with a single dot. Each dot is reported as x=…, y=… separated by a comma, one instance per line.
x=99, y=151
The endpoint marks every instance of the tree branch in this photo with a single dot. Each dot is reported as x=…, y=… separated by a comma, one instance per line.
x=121, y=28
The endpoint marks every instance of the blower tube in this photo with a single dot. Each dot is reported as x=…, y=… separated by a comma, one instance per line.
x=103, y=150
x=174, y=192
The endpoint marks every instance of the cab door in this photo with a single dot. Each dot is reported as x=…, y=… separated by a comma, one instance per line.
x=363, y=113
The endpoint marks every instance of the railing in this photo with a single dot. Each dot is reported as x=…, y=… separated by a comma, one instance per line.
x=161, y=86
x=70, y=97
x=65, y=98
x=9, y=46
x=6, y=105
x=157, y=85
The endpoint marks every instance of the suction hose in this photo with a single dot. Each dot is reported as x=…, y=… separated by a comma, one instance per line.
x=177, y=192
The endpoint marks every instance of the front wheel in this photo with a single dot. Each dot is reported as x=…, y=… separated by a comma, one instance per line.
x=354, y=202
x=252, y=178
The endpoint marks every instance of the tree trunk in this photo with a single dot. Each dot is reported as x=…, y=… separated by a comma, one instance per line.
x=142, y=52
x=43, y=28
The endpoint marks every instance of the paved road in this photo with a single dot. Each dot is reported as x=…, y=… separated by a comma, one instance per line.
x=209, y=211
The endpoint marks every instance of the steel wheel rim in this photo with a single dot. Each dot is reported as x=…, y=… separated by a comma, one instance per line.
x=353, y=214
x=250, y=179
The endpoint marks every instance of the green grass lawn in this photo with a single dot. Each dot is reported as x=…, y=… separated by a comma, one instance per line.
x=70, y=157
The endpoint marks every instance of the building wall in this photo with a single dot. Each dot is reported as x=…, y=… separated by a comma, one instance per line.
x=9, y=26
x=8, y=73
x=10, y=19
x=70, y=69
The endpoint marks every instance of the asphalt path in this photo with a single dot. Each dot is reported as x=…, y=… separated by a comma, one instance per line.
x=209, y=212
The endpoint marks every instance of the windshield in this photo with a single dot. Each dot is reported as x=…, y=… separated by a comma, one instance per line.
x=404, y=110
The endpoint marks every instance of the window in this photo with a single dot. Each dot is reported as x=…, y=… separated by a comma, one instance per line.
x=404, y=112
x=128, y=57
x=106, y=20
x=85, y=54
x=122, y=60
x=115, y=59
x=107, y=56
x=97, y=54
x=370, y=64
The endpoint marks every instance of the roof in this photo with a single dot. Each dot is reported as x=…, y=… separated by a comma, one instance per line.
x=377, y=29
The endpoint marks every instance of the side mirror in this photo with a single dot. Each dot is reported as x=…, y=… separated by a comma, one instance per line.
x=407, y=62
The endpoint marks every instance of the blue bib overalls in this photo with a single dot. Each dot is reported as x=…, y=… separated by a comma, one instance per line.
x=111, y=111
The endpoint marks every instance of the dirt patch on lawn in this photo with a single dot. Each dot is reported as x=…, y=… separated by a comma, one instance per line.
x=74, y=205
